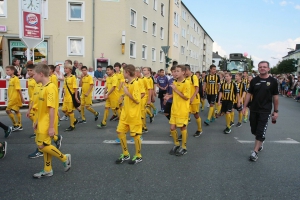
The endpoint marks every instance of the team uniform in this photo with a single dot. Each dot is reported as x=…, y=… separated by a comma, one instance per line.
x=131, y=120
x=229, y=93
x=121, y=80
x=14, y=101
x=212, y=88
x=148, y=83
x=31, y=87
x=48, y=99
x=180, y=115
x=143, y=102
x=219, y=107
x=242, y=90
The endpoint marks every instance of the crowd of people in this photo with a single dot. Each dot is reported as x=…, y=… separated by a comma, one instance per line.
x=130, y=93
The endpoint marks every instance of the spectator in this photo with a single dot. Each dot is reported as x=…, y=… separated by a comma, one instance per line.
x=99, y=74
x=78, y=71
x=75, y=67
x=91, y=72
x=16, y=64
x=58, y=73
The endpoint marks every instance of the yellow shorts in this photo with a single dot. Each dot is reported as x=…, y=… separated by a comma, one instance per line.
x=134, y=129
x=13, y=106
x=33, y=114
x=68, y=107
x=179, y=122
x=85, y=101
x=42, y=139
x=111, y=103
x=194, y=108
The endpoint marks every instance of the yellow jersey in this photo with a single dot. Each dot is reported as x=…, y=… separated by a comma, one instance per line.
x=180, y=107
x=194, y=83
x=87, y=81
x=147, y=85
x=131, y=112
x=31, y=85
x=121, y=80
x=112, y=81
x=35, y=99
x=48, y=98
x=53, y=79
x=72, y=84
x=13, y=95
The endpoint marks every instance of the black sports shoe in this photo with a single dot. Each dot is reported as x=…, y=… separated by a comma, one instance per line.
x=32, y=136
x=152, y=119
x=82, y=122
x=227, y=130
x=122, y=158
x=173, y=150
x=253, y=156
x=181, y=152
x=231, y=124
x=8, y=131
x=179, y=137
x=76, y=121
x=71, y=128
x=58, y=142
x=113, y=117
x=238, y=124
x=197, y=134
x=96, y=116
x=145, y=130
x=135, y=160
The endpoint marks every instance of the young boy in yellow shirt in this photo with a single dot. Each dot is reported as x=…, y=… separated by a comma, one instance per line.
x=148, y=82
x=180, y=110
x=130, y=119
x=86, y=84
x=46, y=122
x=15, y=99
x=31, y=85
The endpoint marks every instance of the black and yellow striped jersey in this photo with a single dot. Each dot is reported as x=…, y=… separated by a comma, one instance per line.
x=245, y=80
x=241, y=87
x=229, y=91
x=212, y=84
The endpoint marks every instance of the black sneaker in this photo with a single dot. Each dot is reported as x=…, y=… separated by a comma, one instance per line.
x=179, y=137
x=3, y=149
x=181, y=152
x=152, y=119
x=145, y=130
x=58, y=142
x=122, y=158
x=231, y=124
x=227, y=130
x=76, y=121
x=82, y=122
x=253, y=156
x=135, y=160
x=71, y=128
x=36, y=154
x=32, y=136
x=96, y=116
x=173, y=150
x=113, y=117
x=197, y=134
x=238, y=124
x=8, y=131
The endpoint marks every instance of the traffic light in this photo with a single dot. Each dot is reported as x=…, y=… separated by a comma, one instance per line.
x=168, y=60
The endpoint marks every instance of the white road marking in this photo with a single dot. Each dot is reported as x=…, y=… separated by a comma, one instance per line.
x=143, y=142
x=286, y=141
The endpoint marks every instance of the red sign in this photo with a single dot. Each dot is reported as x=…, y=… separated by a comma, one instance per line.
x=32, y=25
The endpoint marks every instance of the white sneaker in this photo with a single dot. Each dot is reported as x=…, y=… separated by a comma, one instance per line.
x=64, y=118
x=67, y=164
x=43, y=174
x=253, y=157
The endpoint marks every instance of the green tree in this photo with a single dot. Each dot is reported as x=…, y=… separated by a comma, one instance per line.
x=274, y=70
x=223, y=64
x=249, y=63
x=286, y=66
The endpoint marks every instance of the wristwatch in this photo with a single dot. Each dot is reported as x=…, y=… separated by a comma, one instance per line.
x=276, y=111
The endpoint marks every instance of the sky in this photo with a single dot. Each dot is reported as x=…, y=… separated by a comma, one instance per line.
x=262, y=28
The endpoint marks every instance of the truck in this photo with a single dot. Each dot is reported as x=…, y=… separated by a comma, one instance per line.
x=236, y=63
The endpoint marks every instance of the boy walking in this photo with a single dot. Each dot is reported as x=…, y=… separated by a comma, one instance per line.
x=242, y=93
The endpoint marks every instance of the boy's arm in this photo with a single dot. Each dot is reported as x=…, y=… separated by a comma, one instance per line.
x=130, y=95
x=52, y=115
x=179, y=93
x=21, y=95
x=220, y=96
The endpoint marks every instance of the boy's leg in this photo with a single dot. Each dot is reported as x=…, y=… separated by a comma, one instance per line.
x=12, y=117
x=19, y=117
x=89, y=108
x=184, y=136
x=4, y=127
x=82, y=112
x=106, y=112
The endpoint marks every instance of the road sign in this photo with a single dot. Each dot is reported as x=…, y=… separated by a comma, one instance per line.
x=165, y=49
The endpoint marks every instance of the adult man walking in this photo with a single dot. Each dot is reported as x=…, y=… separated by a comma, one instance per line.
x=264, y=91
x=162, y=83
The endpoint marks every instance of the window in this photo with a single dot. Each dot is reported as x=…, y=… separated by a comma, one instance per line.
x=182, y=50
x=3, y=8
x=145, y=24
x=183, y=32
x=176, y=21
x=176, y=2
x=155, y=4
x=162, y=33
x=75, y=46
x=161, y=56
x=146, y=1
x=162, y=9
x=144, y=52
x=76, y=11
x=154, y=29
x=132, y=18
x=45, y=9
x=153, y=54
x=184, y=15
x=175, y=39
x=132, y=50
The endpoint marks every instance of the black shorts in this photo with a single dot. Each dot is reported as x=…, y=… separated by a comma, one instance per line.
x=226, y=106
x=237, y=108
x=161, y=93
x=201, y=94
x=259, y=124
x=211, y=98
x=168, y=107
x=249, y=104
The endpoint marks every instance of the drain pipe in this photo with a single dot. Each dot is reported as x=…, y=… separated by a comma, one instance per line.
x=93, y=37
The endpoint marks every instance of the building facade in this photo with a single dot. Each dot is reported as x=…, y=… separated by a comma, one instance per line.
x=295, y=54
x=104, y=32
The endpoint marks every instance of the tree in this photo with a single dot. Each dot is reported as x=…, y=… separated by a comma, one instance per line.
x=274, y=70
x=249, y=63
x=286, y=66
x=223, y=63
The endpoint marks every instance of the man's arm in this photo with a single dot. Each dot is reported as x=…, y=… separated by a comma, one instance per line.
x=275, y=103
x=220, y=97
x=90, y=89
x=247, y=99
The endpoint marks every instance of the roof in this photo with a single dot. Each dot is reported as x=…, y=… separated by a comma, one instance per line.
x=294, y=52
x=215, y=55
x=196, y=20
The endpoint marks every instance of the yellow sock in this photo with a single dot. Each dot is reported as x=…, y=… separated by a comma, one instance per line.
x=219, y=108
x=19, y=117
x=228, y=119
x=210, y=113
x=106, y=112
x=47, y=162
x=153, y=106
x=184, y=138
x=12, y=118
x=175, y=137
x=149, y=111
x=198, y=121
x=232, y=115
x=118, y=112
x=246, y=114
x=89, y=108
x=202, y=103
x=240, y=116
x=123, y=142
x=52, y=150
x=144, y=119
x=72, y=119
x=138, y=145
x=82, y=113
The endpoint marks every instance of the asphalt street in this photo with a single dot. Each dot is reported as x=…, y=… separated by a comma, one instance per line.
x=215, y=167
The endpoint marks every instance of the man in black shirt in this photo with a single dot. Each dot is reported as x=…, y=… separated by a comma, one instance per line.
x=264, y=90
